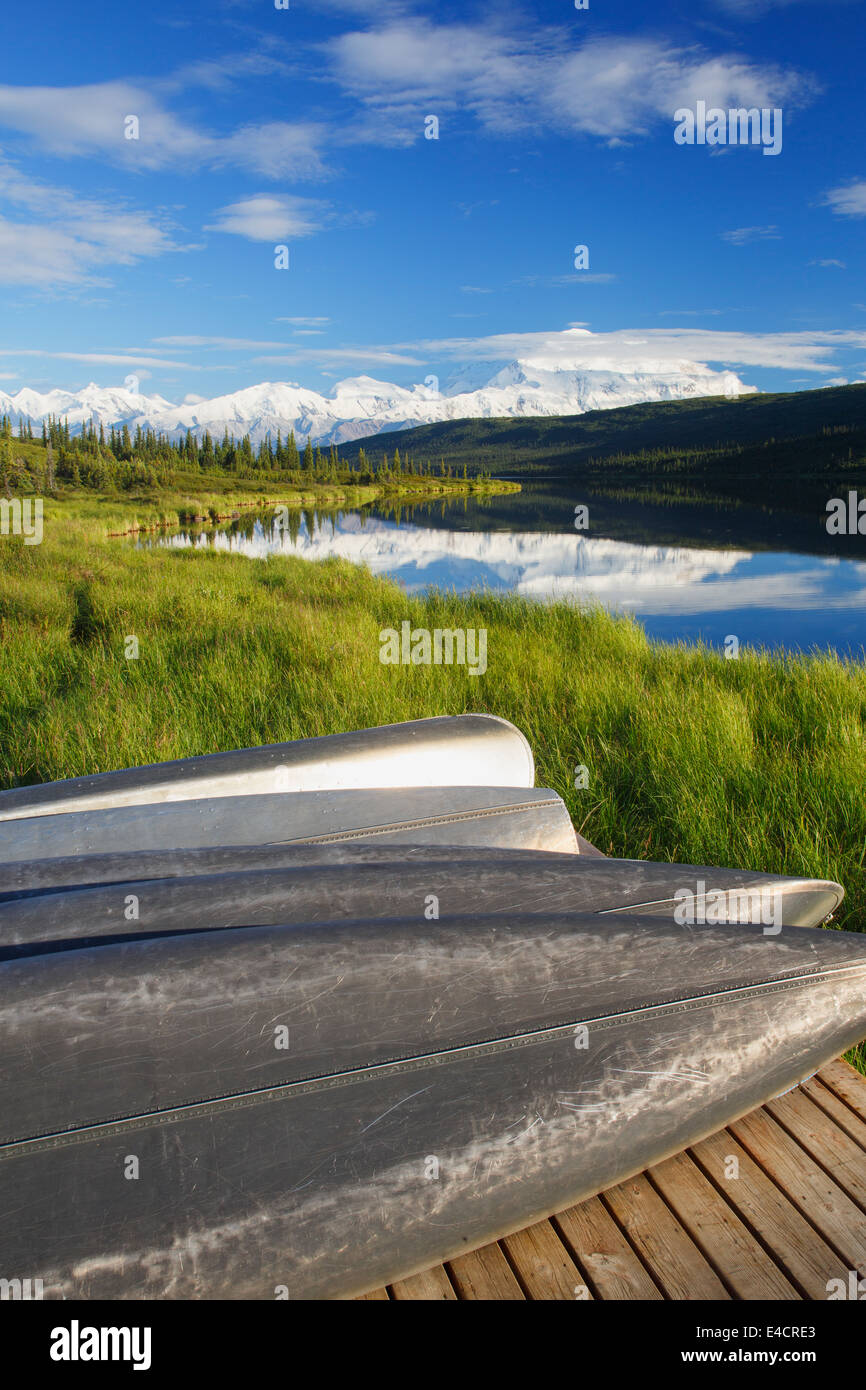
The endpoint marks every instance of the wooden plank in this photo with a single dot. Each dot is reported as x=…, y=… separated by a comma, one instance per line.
x=840, y=1113
x=596, y=1242
x=746, y=1268
x=848, y=1084
x=484, y=1274
x=432, y=1284
x=827, y=1144
x=376, y=1296
x=542, y=1264
x=669, y=1251
x=820, y=1200
x=805, y=1256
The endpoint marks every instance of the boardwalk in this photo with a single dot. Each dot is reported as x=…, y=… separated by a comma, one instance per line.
x=792, y=1219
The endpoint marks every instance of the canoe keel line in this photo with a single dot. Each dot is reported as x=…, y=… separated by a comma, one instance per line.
x=288, y=1074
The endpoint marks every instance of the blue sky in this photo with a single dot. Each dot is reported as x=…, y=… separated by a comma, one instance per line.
x=411, y=256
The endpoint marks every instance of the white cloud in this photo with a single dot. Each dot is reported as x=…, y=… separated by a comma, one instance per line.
x=270, y=217
x=116, y=359
x=72, y=239
x=356, y=356
x=741, y=235
x=199, y=340
x=610, y=87
x=557, y=281
x=754, y=9
x=305, y=321
x=849, y=199
x=628, y=349
x=92, y=119
x=575, y=348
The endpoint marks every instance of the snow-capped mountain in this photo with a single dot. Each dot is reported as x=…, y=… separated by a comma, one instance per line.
x=361, y=406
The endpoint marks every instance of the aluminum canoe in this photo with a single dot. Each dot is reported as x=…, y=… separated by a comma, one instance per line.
x=510, y=818
x=340, y=886
x=312, y=1111
x=462, y=750
x=24, y=878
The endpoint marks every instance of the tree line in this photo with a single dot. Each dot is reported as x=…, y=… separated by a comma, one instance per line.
x=127, y=460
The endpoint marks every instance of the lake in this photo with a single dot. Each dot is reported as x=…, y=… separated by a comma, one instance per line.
x=687, y=571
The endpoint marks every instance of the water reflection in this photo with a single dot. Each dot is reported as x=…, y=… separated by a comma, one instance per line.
x=679, y=592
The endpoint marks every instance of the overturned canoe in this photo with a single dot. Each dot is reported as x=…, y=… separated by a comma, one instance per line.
x=510, y=818
x=26, y=877
x=463, y=750
x=316, y=1110
x=342, y=883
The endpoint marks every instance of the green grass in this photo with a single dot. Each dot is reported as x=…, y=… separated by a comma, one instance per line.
x=756, y=763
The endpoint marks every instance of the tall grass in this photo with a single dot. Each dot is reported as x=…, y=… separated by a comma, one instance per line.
x=755, y=763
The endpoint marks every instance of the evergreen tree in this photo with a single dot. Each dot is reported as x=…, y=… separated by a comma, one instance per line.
x=293, y=458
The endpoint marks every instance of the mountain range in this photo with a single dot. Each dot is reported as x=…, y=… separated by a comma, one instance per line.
x=361, y=406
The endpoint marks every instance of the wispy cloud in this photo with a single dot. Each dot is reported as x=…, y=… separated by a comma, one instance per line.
x=353, y=356
x=94, y=119
x=557, y=281
x=614, y=87
x=849, y=199
x=741, y=235
x=754, y=9
x=229, y=344
x=116, y=359
x=58, y=239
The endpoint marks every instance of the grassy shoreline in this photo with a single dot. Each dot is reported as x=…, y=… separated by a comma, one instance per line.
x=208, y=500
x=755, y=763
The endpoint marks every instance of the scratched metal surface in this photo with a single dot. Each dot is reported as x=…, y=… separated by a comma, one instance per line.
x=41, y=876
x=452, y=885
x=520, y=818
x=453, y=1046
x=463, y=750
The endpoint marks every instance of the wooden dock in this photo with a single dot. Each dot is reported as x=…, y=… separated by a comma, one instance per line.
x=773, y=1207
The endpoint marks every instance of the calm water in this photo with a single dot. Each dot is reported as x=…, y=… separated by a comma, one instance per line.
x=770, y=579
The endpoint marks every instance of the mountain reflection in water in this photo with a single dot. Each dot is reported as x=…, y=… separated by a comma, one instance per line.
x=765, y=596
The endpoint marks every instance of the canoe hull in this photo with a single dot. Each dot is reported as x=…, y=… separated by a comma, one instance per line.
x=508, y=818
x=461, y=750
x=518, y=1067
x=339, y=887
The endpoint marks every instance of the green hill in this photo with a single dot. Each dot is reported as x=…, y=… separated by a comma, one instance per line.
x=791, y=450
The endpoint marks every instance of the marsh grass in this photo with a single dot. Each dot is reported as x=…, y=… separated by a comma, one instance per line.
x=755, y=763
